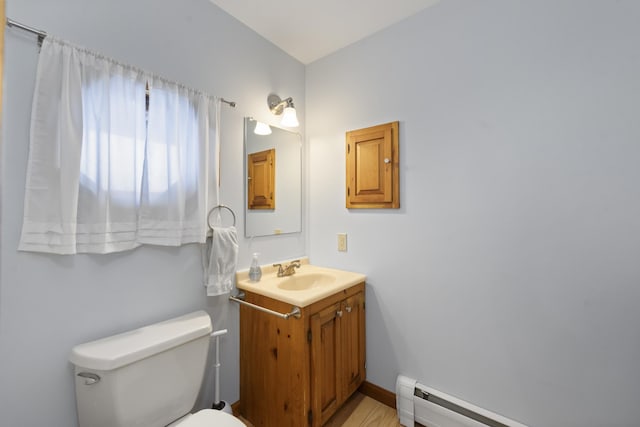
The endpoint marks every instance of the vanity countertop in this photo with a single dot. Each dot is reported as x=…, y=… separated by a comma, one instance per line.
x=309, y=284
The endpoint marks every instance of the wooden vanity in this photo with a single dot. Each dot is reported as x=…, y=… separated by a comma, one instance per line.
x=299, y=371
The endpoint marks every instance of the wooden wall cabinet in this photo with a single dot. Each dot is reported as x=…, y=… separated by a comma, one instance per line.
x=373, y=167
x=298, y=372
x=261, y=174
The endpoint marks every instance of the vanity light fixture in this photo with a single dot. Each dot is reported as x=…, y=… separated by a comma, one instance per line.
x=262, y=129
x=286, y=108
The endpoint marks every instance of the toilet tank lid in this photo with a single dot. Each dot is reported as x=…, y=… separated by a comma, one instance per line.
x=119, y=350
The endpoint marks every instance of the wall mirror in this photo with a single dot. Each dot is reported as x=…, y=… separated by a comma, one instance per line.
x=273, y=181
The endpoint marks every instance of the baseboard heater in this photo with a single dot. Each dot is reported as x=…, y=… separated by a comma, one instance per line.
x=418, y=403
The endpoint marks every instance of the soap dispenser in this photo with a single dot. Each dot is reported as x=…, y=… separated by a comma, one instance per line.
x=255, y=272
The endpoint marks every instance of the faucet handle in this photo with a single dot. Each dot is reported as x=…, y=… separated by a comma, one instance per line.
x=295, y=263
x=280, y=269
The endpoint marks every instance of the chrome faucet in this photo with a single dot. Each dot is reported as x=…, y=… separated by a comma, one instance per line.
x=288, y=270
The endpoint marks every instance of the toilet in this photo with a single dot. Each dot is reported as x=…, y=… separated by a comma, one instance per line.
x=147, y=377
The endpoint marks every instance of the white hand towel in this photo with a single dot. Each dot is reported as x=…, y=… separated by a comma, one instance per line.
x=221, y=260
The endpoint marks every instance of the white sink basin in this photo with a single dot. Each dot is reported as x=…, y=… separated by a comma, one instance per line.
x=301, y=282
x=310, y=283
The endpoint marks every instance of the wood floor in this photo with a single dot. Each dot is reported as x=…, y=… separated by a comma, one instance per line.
x=360, y=411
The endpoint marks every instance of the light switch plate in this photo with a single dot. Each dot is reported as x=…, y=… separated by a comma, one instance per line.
x=342, y=242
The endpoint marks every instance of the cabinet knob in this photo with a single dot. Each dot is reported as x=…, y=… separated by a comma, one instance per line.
x=348, y=308
x=387, y=160
x=339, y=313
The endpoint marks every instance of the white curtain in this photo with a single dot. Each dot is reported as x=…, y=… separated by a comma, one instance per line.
x=104, y=175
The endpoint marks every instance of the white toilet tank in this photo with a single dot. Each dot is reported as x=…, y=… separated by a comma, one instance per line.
x=147, y=377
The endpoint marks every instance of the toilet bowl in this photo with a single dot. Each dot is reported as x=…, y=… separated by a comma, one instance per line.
x=147, y=377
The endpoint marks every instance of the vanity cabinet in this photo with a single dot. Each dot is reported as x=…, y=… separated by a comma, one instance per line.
x=298, y=372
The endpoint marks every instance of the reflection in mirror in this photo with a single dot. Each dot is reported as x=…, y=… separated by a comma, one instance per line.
x=273, y=181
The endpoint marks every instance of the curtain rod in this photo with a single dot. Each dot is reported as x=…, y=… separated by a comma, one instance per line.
x=42, y=34
x=231, y=103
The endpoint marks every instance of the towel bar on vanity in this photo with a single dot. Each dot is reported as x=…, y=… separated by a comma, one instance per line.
x=295, y=311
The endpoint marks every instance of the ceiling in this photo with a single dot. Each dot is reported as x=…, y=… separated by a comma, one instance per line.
x=309, y=30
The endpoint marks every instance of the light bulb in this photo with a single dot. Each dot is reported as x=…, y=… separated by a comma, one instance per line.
x=289, y=118
x=262, y=129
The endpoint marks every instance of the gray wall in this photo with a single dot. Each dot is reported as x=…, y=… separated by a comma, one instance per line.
x=509, y=277
x=48, y=303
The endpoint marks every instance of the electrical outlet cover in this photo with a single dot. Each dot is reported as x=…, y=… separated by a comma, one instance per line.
x=342, y=242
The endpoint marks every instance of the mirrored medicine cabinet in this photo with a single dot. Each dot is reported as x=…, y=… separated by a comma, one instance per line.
x=273, y=181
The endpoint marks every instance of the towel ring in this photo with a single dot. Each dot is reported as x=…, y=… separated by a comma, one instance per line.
x=221, y=207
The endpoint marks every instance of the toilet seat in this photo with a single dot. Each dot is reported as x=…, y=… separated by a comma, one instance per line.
x=209, y=418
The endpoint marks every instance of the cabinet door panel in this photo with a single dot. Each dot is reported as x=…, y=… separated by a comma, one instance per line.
x=352, y=344
x=261, y=176
x=372, y=167
x=325, y=363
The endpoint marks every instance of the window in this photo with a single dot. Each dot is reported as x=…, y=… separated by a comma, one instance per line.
x=118, y=157
x=113, y=141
